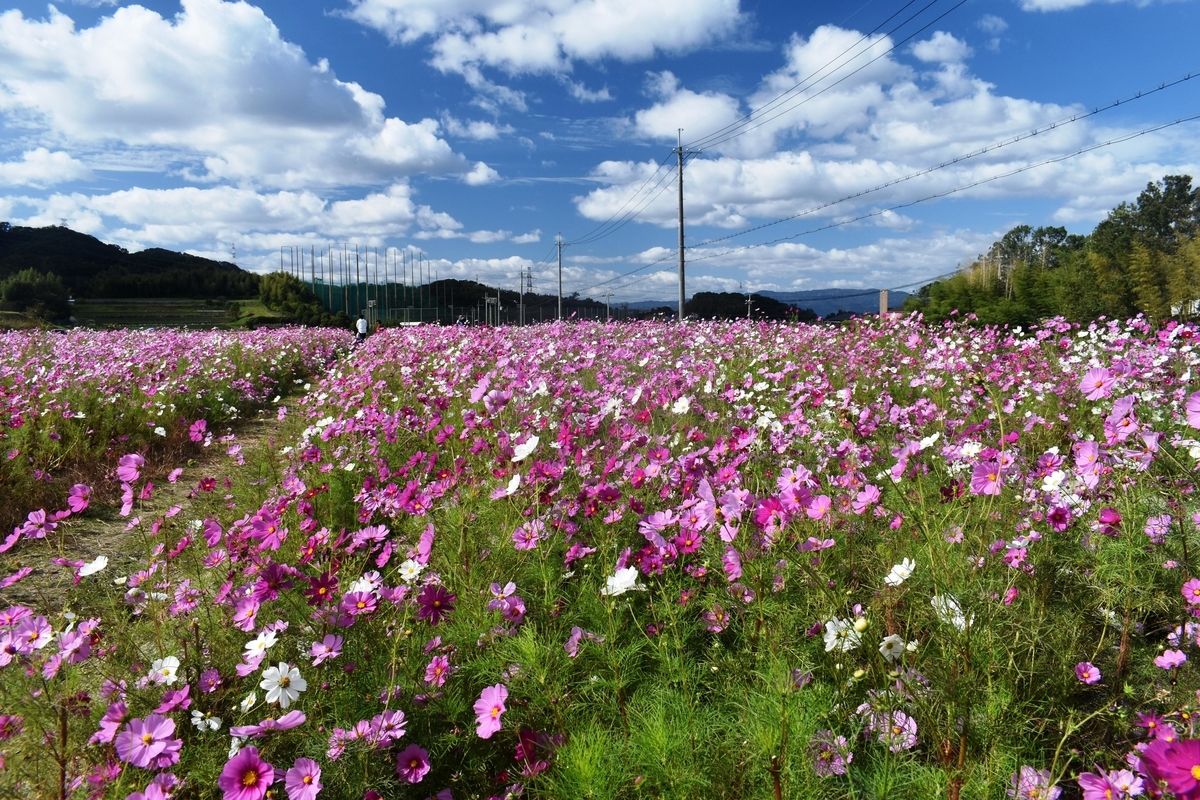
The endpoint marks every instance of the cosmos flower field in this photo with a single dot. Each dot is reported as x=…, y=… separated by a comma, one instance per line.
x=718, y=560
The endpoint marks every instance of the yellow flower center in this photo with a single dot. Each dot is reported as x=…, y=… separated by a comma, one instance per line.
x=147, y=738
x=250, y=778
x=285, y=681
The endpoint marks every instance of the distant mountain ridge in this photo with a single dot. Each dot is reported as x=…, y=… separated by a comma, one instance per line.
x=91, y=268
x=822, y=301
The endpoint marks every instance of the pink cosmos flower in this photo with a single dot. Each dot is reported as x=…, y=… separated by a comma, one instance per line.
x=303, y=780
x=986, y=478
x=1170, y=659
x=115, y=716
x=412, y=764
x=197, y=429
x=246, y=776
x=437, y=671
x=1097, y=383
x=1033, y=784
x=78, y=498
x=329, y=647
x=1191, y=408
x=1118, y=783
x=488, y=709
x=129, y=466
x=1191, y=592
x=1087, y=672
x=144, y=739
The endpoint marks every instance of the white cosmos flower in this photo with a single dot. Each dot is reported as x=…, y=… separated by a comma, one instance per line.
x=840, y=635
x=1051, y=482
x=621, y=582
x=160, y=431
x=892, y=647
x=235, y=745
x=260, y=644
x=522, y=451
x=92, y=567
x=164, y=669
x=410, y=570
x=205, y=721
x=513, y=485
x=970, y=449
x=682, y=405
x=948, y=611
x=282, y=684
x=900, y=572
x=248, y=703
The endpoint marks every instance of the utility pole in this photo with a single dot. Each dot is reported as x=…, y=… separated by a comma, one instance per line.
x=521, y=297
x=608, y=306
x=560, y=247
x=681, y=153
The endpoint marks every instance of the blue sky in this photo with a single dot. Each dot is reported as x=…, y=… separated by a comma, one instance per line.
x=475, y=131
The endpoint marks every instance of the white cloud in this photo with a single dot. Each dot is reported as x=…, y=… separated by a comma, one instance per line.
x=217, y=87
x=886, y=122
x=489, y=237
x=584, y=94
x=990, y=23
x=682, y=108
x=40, y=168
x=481, y=175
x=1061, y=5
x=479, y=130
x=941, y=48
x=547, y=36
x=139, y=218
x=528, y=238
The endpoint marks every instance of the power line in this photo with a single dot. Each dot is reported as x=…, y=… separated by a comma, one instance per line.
x=702, y=142
x=594, y=234
x=972, y=185
x=763, y=121
x=951, y=162
x=935, y=196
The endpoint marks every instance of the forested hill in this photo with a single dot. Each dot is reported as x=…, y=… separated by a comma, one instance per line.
x=90, y=268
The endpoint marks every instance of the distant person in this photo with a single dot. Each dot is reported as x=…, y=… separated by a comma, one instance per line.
x=361, y=327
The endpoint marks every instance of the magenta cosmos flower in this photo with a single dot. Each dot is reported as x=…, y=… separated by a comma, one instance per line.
x=1087, y=672
x=144, y=739
x=1176, y=763
x=488, y=709
x=246, y=776
x=412, y=764
x=303, y=780
x=986, y=478
x=434, y=604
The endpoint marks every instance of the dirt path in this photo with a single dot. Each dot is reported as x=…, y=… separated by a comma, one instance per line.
x=102, y=531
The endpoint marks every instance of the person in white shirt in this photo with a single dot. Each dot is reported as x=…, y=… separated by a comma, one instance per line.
x=361, y=326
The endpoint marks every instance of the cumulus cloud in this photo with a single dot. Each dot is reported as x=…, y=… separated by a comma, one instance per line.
x=682, y=108
x=40, y=168
x=216, y=86
x=941, y=48
x=886, y=123
x=481, y=175
x=547, y=36
x=528, y=238
x=138, y=218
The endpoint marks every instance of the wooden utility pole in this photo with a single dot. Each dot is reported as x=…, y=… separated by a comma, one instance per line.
x=681, y=153
x=560, y=247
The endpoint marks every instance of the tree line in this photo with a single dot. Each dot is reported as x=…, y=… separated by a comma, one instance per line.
x=1144, y=257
